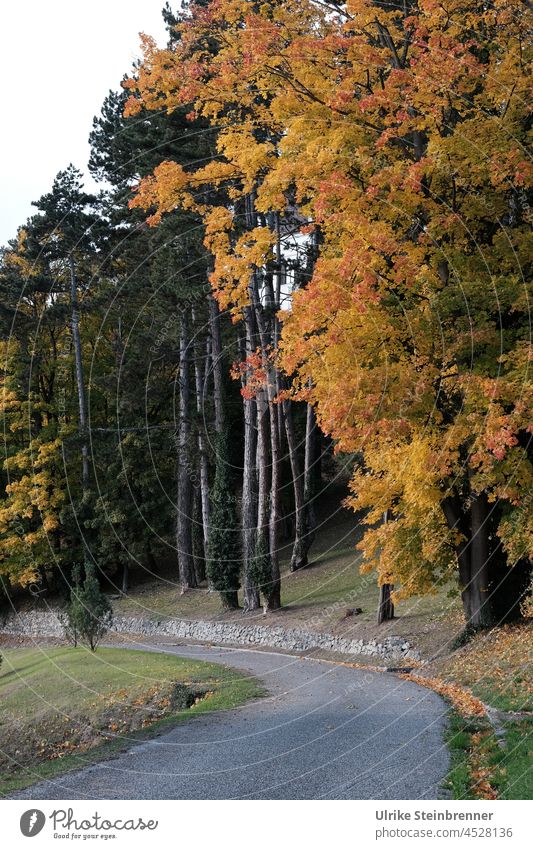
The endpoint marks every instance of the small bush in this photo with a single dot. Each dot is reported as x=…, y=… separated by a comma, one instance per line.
x=89, y=614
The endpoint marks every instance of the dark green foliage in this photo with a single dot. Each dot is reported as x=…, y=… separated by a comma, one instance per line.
x=89, y=614
x=261, y=567
x=132, y=517
x=224, y=554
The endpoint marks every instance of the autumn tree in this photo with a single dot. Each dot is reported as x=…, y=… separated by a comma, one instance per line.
x=244, y=238
x=39, y=411
x=400, y=132
x=421, y=288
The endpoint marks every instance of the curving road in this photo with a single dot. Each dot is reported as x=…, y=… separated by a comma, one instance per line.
x=325, y=732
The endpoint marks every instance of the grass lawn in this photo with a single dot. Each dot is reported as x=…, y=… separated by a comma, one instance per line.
x=514, y=763
x=61, y=708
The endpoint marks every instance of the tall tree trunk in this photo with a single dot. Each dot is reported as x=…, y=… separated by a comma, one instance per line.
x=311, y=471
x=125, y=578
x=216, y=353
x=82, y=401
x=473, y=555
x=249, y=500
x=267, y=415
x=262, y=463
x=198, y=540
x=272, y=599
x=302, y=542
x=268, y=426
x=199, y=376
x=455, y=520
x=479, y=561
x=187, y=573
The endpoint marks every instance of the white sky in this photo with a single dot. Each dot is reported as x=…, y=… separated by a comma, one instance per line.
x=58, y=60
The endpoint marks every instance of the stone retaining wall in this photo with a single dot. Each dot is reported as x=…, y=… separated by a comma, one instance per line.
x=48, y=624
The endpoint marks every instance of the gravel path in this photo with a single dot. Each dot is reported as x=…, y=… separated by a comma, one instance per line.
x=326, y=731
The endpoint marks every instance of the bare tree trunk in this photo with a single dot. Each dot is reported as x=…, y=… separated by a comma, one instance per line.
x=125, y=578
x=185, y=488
x=268, y=424
x=479, y=561
x=198, y=541
x=263, y=462
x=385, y=606
x=202, y=444
x=473, y=555
x=267, y=416
x=273, y=598
x=300, y=550
x=249, y=501
x=82, y=402
x=216, y=353
x=311, y=470
x=455, y=519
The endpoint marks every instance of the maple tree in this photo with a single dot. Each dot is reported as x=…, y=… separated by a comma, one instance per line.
x=35, y=491
x=400, y=133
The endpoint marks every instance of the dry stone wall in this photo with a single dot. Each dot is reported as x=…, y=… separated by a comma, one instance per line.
x=48, y=624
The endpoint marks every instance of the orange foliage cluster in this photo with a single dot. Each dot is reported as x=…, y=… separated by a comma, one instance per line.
x=253, y=368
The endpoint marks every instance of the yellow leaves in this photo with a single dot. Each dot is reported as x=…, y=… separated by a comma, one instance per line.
x=247, y=156
x=165, y=190
x=30, y=509
x=233, y=270
x=218, y=223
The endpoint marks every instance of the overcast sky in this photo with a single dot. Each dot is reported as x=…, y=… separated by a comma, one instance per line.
x=58, y=60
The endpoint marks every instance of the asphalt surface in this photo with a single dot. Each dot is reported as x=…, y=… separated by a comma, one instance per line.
x=324, y=732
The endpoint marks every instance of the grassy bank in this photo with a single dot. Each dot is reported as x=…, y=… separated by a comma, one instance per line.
x=62, y=708
x=316, y=598
x=485, y=766
x=495, y=666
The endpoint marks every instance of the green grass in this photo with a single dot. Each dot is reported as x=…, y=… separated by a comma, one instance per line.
x=62, y=708
x=514, y=766
x=479, y=760
x=495, y=665
x=458, y=738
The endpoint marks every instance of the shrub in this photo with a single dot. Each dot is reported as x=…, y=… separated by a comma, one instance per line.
x=89, y=614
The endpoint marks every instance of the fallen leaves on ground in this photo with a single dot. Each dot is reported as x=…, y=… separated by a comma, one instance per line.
x=464, y=702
